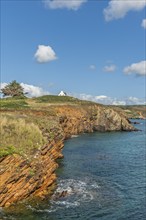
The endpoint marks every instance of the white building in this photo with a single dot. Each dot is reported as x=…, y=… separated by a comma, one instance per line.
x=62, y=94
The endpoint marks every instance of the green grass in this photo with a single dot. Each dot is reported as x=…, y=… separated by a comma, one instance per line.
x=7, y=150
x=13, y=103
x=53, y=98
x=34, y=103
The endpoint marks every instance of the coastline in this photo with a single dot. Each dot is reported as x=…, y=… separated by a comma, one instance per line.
x=34, y=177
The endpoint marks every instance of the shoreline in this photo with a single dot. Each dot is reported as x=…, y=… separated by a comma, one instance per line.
x=29, y=179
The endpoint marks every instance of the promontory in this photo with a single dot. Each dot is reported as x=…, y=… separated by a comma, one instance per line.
x=33, y=131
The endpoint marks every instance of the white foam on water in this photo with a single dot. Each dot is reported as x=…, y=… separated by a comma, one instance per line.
x=67, y=204
x=95, y=186
x=77, y=192
x=50, y=209
x=74, y=136
x=30, y=207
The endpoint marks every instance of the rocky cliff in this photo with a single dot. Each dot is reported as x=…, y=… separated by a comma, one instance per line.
x=23, y=177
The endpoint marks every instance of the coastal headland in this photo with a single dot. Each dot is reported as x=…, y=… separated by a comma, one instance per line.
x=32, y=137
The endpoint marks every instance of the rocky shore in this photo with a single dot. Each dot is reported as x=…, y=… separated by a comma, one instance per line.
x=34, y=176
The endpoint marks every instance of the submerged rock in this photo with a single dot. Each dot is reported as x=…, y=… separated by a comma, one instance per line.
x=59, y=195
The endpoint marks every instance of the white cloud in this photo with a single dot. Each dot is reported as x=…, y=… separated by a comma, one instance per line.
x=135, y=101
x=119, y=8
x=143, y=24
x=101, y=97
x=92, y=67
x=110, y=68
x=2, y=85
x=118, y=102
x=33, y=91
x=45, y=54
x=106, y=100
x=69, y=4
x=136, y=68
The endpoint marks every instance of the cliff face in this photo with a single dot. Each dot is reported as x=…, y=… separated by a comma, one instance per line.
x=94, y=118
x=132, y=112
x=22, y=178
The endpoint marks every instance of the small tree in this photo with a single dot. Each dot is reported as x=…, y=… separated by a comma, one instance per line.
x=13, y=89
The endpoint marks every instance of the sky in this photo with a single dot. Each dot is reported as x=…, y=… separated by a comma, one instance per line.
x=91, y=49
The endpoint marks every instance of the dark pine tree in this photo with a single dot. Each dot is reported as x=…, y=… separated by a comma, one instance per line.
x=13, y=89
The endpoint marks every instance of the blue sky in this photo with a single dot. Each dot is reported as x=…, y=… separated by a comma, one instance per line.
x=90, y=49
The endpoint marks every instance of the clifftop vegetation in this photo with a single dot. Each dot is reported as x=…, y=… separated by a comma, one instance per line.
x=28, y=123
x=13, y=89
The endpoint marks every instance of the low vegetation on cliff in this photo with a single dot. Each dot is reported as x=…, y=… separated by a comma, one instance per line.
x=19, y=136
x=27, y=124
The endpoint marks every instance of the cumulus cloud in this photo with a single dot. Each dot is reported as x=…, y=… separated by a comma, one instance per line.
x=107, y=100
x=69, y=4
x=118, y=102
x=45, y=54
x=134, y=100
x=2, y=85
x=33, y=91
x=102, y=99
x=143, y=24
x=119, y=8
x=136, y=68
x=110, y=68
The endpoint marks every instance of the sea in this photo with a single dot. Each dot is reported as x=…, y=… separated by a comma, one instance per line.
x=101, y=177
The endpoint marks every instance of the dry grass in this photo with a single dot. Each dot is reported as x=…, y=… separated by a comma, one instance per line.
x=19, y=136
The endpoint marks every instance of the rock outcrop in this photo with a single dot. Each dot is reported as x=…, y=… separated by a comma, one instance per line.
x=22, y=178
x=76, y=120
